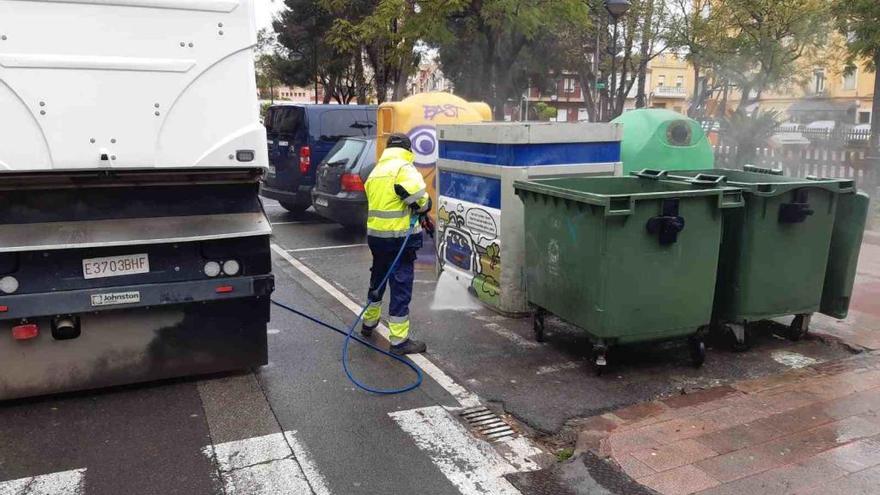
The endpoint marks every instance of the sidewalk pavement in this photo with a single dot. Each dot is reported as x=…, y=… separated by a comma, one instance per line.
x=813, y=430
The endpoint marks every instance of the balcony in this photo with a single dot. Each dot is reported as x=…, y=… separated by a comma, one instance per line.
x=677, y=92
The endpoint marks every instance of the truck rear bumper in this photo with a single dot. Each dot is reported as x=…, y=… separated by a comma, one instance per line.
x=136, y=345
x=175, y=330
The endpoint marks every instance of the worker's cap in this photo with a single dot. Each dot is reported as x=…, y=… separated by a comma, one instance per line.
x=398, y=140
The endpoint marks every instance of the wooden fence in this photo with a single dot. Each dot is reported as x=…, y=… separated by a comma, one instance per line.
x=814, y=160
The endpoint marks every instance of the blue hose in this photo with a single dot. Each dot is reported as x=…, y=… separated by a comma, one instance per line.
x=349, y=334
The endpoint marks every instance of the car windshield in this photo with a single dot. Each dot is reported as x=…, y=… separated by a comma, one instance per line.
x=345, y=152
x=337, y=124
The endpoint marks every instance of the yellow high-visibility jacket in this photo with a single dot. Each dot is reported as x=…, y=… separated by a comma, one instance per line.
x=392, y=187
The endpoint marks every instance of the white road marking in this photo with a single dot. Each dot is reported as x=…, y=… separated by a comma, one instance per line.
x=324, y=248
x=792, y=359
x=62, y=483
x=301, y=222
x=511, y=336
x=462, y=395
x=472, y=465
x=555, y=368
x=265, y=465
x=316, y=480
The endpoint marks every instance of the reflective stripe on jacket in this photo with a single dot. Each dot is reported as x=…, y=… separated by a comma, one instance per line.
x=394, y=185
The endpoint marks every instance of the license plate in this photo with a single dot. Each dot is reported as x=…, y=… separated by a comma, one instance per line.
x=116, y=266
x=116, y=298
x=321, y=202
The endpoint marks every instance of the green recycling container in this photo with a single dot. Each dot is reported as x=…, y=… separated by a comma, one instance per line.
x=626, y=259
x=775, y=250
x=663, y=140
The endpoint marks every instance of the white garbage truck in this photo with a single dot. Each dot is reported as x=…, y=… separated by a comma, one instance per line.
x=133, y=244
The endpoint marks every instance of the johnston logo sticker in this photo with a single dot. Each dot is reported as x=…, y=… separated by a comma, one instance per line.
x=115, y=298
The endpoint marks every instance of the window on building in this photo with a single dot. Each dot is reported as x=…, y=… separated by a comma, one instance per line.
x=568, y=85
x=679, y=81
x=818, y=81
x=864, y=117
x=661, y=80
x=849, y=79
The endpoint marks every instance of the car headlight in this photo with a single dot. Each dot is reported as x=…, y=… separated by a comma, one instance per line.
x=212, y=269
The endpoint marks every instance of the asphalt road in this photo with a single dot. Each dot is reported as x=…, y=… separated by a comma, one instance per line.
x=298, y=425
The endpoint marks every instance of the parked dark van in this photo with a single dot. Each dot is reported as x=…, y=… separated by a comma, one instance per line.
x=299, y=137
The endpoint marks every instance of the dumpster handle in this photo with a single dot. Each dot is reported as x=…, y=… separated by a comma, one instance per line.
x=613, y=207
x=731, y=199
x=762, y=170
x=650, y=173
x=842, y=184
x=707, y=179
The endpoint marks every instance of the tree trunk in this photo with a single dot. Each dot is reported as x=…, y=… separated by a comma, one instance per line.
x=644, y=51
x=359, y=81
x=875, y=107
x=696, y=98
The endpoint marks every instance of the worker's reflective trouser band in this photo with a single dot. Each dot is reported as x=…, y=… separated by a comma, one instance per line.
x=373, y=313
x=399, y=326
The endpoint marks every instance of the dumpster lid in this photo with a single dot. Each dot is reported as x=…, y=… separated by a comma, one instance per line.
x=619, y=194
x=755, y=180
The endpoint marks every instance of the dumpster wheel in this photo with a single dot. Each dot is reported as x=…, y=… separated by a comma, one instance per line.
x=697, y=346
x=538, y=324
x=739, y=335
x=599, y=359
x=799, y=328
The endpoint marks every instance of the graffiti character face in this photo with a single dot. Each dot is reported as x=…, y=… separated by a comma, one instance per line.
x=424, y=145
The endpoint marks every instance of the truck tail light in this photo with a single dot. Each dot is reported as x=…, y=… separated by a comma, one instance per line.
x=305, y=159
x=224, y=289
x=352, y=182
x=26, y=331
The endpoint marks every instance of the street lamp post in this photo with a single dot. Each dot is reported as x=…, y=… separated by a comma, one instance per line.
x=615, y=8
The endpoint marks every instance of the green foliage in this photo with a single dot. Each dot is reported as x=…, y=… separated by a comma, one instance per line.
x=565, y=454
x=545, y=111
x=859, y=22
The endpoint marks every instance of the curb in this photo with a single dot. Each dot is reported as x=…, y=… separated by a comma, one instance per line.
x=872, y=237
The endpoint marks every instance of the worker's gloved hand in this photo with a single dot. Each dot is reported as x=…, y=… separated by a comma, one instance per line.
x=427, y=224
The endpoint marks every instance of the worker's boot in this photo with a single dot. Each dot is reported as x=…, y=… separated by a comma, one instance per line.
x=367, y=331
x=409, y=346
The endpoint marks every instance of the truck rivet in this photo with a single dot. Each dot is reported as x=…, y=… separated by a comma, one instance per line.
x=156, y=105
x=92, y=140
x=112, y=157
x=231, y=156
x=221, y=33
x=182, y=44
x=113, y=140
x=220, y=25
x=4, y=38
x=42, y=103
x=176, y=268
x=157, y=114
x=42, y=112
x=191, y=45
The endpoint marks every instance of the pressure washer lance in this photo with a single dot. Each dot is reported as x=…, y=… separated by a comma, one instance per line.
x=349, y=334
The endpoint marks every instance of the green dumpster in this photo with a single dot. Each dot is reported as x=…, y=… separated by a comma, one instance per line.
x=662, y=140
x=775, y=251
x=626, y=259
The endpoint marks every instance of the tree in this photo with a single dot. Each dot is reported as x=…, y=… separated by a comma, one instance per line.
x=748, y=132
x=694, y=29
x=859, y=22
x=306, y=56
x=765, y=41
x=490, y=49
x=267, y=75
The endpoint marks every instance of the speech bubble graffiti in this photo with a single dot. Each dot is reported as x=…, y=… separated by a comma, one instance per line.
x=481, y=222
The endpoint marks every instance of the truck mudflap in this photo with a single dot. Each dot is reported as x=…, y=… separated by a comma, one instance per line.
x=134, y=345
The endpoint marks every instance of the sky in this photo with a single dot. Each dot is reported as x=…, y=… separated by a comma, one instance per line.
x=264, y=9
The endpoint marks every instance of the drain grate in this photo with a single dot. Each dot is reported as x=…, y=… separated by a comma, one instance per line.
x=488, y=424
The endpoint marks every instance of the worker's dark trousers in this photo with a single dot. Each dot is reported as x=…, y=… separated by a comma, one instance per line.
x=401, y=282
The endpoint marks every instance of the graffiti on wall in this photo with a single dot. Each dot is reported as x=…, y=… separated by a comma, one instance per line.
x=470, y=247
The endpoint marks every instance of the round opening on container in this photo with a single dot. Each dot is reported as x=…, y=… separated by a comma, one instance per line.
x=679, y=133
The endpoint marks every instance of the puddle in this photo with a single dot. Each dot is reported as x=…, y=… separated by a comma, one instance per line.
x=450, y=294
x=793, y=359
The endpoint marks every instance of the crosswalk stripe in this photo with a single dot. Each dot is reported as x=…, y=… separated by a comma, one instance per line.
x=61, y=483
x=262, y=466
x=472, y=465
